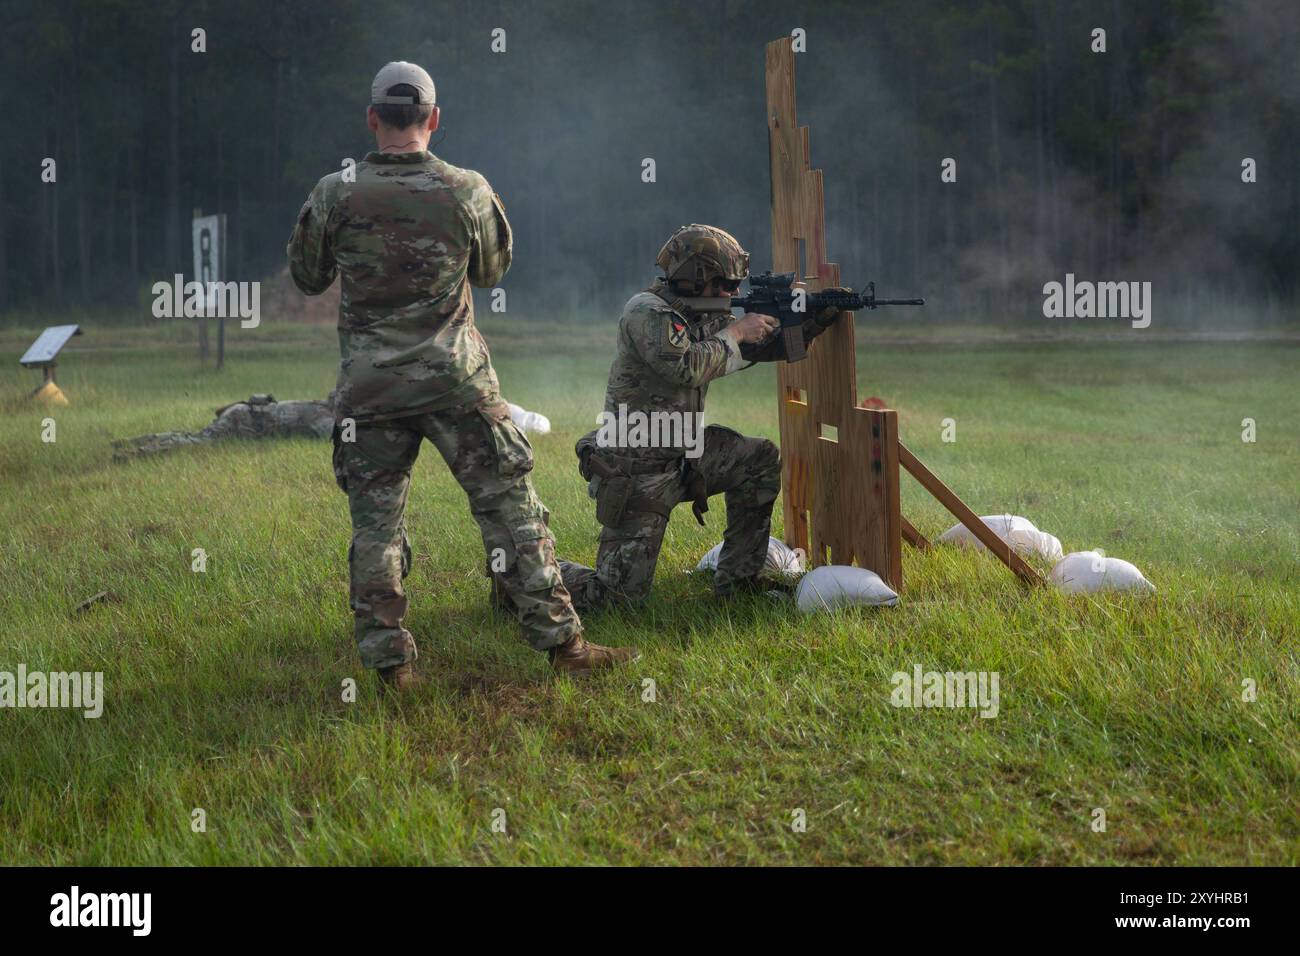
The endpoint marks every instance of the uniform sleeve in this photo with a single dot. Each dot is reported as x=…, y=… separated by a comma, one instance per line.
x=662, y=340
x=492, y=244
x=311, y=258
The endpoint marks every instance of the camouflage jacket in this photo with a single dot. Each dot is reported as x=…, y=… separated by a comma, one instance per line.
x=409, y=236
x=665, y=362
x=667, y=357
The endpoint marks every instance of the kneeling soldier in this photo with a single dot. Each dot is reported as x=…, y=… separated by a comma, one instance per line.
x=668, y=353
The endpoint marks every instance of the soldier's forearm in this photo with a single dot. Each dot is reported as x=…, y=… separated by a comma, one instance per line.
x=773, y=350
x=704, y=362
x=311, y=281
x=735, y=350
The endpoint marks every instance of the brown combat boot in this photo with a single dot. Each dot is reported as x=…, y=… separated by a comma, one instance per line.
x=397, y=679
x=579, y=658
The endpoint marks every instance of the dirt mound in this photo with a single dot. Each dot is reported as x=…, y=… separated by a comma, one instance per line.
x=282, y=301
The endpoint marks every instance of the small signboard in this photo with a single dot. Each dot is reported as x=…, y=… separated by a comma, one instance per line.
x=47, y=345
x=208, y=249
x=209, y=235
x=43, y=355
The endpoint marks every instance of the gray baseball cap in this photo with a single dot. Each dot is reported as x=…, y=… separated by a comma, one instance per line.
x=397, y=73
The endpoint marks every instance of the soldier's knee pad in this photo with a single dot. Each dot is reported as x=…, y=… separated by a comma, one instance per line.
x=763, y=469
x=626, y=566
x=619, y=590
x=767, y=456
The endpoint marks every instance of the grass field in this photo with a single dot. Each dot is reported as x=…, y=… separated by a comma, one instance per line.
x=223, y=689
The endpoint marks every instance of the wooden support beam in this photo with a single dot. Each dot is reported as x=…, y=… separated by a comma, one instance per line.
x=1001, y=550
x=914, y=537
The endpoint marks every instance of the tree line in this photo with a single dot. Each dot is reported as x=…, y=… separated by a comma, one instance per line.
x=1125, y=164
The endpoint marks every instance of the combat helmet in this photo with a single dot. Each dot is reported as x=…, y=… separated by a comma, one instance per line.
x=694, y=255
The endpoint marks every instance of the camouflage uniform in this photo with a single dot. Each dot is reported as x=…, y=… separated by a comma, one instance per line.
x=409, y=237
x=668, y=353
x=259, y=417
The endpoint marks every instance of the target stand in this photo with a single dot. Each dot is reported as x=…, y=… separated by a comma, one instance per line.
x=840, y=462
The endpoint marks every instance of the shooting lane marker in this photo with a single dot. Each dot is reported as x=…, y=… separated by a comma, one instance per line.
x=208, y=235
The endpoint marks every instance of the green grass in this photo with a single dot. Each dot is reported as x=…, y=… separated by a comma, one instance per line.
x=223, y=689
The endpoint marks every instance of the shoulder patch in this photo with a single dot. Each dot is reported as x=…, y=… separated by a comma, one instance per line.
x=676, y=336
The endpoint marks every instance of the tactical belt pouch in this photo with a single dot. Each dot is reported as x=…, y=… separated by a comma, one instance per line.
x=612, y=499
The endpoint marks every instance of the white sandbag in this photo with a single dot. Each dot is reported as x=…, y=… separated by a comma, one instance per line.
x=529, y=422
x=836, y=585
x=1020, y=533
x=1085, y=572
x=782, y=560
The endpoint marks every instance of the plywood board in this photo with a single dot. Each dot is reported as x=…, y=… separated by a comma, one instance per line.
x=839, y=462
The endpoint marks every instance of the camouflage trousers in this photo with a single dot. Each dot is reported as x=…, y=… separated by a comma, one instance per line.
x=490, y=458
x=167, y=441
x=746, y=470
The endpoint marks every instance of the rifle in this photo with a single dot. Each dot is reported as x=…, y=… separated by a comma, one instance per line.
x=773, y=294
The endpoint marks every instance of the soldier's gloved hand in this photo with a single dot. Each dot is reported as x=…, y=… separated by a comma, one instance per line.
x=753, y=328
x=830, y=315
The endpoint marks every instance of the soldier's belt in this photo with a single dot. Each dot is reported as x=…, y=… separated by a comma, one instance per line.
x=637, y=466
x=615, y=499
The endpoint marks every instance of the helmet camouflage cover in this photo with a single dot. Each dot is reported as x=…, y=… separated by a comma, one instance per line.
x=696, y=254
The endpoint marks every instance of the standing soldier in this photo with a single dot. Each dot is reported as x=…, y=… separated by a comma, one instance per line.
x=668, y=353
x=409, y=233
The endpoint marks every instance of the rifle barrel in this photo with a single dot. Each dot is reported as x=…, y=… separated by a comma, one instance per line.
x=849, y=302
